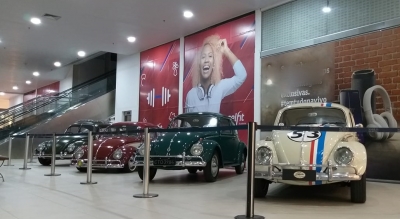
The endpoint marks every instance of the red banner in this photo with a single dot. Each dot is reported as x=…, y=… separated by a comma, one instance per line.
x=219, y=71
x=159, y=84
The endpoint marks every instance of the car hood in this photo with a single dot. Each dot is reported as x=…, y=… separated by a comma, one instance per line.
x=175, y=143
x=61, y=144
x=316, y=146
x=106, y=146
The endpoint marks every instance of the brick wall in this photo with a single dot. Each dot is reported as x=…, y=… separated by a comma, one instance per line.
x=379, y=51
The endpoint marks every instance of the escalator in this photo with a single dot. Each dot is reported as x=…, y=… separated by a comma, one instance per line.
x=28, y=116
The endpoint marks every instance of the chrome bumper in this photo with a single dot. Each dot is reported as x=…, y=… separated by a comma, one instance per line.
x=173, y=161
x=328, y=175
x=106, y=164
x=58, y=156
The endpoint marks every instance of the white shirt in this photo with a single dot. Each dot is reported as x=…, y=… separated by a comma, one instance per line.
x=225, y=87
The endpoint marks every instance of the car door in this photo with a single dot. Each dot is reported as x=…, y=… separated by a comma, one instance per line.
x=227, y=142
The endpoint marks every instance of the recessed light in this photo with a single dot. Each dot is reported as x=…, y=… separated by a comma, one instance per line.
x=187, y=14
x=2, y=93
x=36, y=21
x=131, y=39
x=81, y=53
x=28, y=82
x=326, y=9
x=57, y=64
x=36, y=74
x=15, y=88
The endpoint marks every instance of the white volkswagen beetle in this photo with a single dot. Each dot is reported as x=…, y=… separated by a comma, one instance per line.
x=308, y=158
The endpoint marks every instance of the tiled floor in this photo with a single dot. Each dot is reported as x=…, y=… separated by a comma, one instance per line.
x=28, y=194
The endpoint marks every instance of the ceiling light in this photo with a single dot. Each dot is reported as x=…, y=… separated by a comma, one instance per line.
x=0, y=41
x=81, y=53
x=326, y=9
x=57, y=64
x=131, y=39
x=28, y=82
x=36, y=74
x=36, y=21
x=15, y=88
x=2, y=93
x=269, y=82
x=187, y=14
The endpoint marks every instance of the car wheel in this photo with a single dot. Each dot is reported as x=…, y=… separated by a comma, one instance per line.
x=82, y=170
x=358, y=190
x=45, y=161
x=260, y=188
x=211, y=170
x=192, y=170
x=130, y=166
x=240, y=169
x=152, y=174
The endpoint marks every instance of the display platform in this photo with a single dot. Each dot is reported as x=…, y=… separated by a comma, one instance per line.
x=383, y=159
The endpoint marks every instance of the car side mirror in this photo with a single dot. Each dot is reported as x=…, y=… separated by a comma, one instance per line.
x=359, y=125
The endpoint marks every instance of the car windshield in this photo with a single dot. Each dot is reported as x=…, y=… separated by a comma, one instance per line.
x=317, y=116
x=193, y=121
x=75, y=129
x=122, y=130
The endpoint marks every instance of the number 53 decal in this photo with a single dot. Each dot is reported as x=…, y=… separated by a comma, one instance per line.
x=304, y=136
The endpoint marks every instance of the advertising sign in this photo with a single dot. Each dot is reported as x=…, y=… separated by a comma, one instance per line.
x=301, y=76
x=219, y=71
x=159, y=84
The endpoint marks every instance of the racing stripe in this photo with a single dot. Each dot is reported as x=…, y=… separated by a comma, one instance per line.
x=312, y=158
x=320, y=153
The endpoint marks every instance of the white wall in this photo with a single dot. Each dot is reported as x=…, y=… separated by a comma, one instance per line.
x=16, y=100
x=127, y=91
x=66, y=83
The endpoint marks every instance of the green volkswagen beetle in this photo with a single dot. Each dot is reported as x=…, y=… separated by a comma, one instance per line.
x=203, y=150
x=66, y=145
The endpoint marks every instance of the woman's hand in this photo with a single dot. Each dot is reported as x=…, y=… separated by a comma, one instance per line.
x=223, y=47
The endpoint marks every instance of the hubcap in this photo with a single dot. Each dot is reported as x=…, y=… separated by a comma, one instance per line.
x=214, y=165
x=131, y=164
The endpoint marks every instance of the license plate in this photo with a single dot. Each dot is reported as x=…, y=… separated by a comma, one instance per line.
x=79, y=163
x=163, y=162
x=299, y=175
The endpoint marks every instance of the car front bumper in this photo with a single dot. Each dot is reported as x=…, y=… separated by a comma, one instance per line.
x=58, y=156
x=331, y=172
x=99, y=164
x=172, y=161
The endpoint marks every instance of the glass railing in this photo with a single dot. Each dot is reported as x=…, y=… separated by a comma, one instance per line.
x=27, y=114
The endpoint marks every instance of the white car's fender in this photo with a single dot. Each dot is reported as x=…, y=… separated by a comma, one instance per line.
x=270, y=145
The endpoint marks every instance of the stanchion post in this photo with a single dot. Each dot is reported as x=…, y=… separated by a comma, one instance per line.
x=25, y=167
x=250, y=174
x=146, y=167
x=9, y=151
x=89, y=160
x=31, y=152
x=53, y=159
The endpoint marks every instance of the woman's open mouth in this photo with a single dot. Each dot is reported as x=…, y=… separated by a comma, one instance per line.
x=206, y=68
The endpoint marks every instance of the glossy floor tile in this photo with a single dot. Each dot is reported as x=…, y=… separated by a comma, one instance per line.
x=28, y=194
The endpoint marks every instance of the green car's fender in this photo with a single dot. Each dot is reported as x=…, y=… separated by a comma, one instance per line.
x=241, y=149
x=209, y=146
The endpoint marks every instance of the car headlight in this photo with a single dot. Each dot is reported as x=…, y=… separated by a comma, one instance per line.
x=71, y=147
x=196, y=149
x=41, y=146
x=78, y=153
x=343, y=155
x=117, y=154
x=263, y=155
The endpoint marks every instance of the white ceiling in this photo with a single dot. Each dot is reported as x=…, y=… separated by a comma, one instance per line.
x=97, y=25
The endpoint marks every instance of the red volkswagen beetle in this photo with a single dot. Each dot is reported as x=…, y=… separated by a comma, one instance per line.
x=115, y=151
